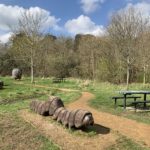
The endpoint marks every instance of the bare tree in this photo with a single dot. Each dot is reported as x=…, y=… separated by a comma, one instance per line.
x=124, y=30
x=144, y=52
x=87, y=48
x=28, y=34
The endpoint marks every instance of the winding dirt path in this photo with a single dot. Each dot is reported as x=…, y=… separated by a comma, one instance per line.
x=139, y=132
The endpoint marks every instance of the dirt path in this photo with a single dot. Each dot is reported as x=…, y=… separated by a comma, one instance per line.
x=140, y=132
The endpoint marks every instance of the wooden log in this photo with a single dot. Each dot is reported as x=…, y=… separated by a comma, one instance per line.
x=32, y=104
x=63, y=116
x=66, y=118
x=45, y=108
x=83, y=118
x=56, y=102
x=72, y=118
x=55, y=116
x=60, y=116
x=36, y=106
x=39, y=109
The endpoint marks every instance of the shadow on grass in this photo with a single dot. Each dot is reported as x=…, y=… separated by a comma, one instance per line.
x=139, y=108
x=98, y=129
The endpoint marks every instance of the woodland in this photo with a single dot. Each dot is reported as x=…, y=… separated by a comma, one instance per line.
x=121, y=55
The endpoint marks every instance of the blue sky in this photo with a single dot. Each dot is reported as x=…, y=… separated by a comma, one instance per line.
x=67, y=17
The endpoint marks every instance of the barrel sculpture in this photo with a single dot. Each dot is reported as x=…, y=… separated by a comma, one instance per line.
x=1, y=84
x=54, y=107
x=43, y=108
x=76, y=118
x=16, y=73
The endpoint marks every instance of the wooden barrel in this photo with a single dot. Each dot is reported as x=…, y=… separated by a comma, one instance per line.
x=32, y=105
x=55, y=103
x=39, y=109
x=36, y=106
x=47, y=106
x=63, y=116
x=56, y=114
x=72, y=118
x=44, y=110
x=60, y=116
x=66, y=118
x=83, y=118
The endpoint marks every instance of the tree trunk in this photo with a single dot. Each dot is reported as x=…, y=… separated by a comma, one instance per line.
x=128, y=72
x=32, y=70
x=93, y=66
x=120, y=72
x=144, y=74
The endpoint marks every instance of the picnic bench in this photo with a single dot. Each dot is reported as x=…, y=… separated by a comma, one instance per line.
x=127, y=94
x=139, y=102
x=58, y=80
x=115, y=98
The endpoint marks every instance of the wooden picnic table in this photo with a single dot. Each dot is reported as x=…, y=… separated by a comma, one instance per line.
x=126, y=93
x=58, y=80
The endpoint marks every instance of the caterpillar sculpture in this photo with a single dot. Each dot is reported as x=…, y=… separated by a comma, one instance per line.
x=54, y=107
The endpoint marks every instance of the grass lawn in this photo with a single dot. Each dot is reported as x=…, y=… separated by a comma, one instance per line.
x=124, y=143
x=15, y=133
x=15, y=91
x=69, y=83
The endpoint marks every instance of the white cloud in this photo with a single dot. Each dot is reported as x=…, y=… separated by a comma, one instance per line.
x=5, y=37
x=142, y=7
x=84, y=25
x=49, y=21
x=89, y=6
x=9, y=16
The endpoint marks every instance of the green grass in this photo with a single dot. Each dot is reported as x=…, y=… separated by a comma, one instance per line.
x=68, y=83
x=16, y=133
x=15, y=97
x=103, y=100
x=124, y=143
x=13, y=91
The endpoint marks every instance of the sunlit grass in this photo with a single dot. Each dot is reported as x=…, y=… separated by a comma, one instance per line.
x=17, y=95
x=18, y=134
